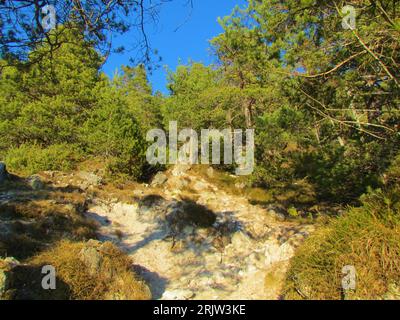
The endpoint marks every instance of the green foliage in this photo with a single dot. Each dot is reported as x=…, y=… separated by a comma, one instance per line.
x=292, y=211
x=64, y=104
x=323, y=100
x=29, y=159
x=112, y=132
x=327, y=114
x=280, y=137
x=138, y=93
x=343, y=173
x=392, y=175
x=195, y=98
x=45, y=103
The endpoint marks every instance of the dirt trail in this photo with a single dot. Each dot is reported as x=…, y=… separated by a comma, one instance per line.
x=242, y=254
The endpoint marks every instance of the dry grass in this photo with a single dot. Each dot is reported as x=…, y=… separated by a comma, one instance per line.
x=48, y=227
x=367, y=238
x=35, y=219
x=122, y=191
x=299, y=193
x=113, y=280
x=258, y=196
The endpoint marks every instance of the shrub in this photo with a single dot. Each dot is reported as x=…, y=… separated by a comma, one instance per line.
x=29, y=159
x=392, y=175
x=292, y=211
x=344, y=173
x=367, y=238
x=281, y=136
x=113, y=132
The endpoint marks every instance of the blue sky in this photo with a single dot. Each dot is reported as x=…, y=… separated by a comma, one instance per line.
x=189, y=42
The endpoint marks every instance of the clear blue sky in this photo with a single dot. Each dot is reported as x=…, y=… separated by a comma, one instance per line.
x=190, y=41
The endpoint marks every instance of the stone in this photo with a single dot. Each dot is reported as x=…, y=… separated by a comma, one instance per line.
x=180, y=169
x=240, y=240
x=277, y=253
x=92, y=258
x=3, y=172
x=177, y=295
x=277, y=215
x=35, y=182
x=159, y=179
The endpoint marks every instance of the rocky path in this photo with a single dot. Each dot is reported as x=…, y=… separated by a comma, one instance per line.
x=235, y=250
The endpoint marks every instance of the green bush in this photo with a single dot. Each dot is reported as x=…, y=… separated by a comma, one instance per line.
x=30, y=159
x=113, y=132
x=343, y=173
x=367, y=238
x=280, y=136
x=392, y=175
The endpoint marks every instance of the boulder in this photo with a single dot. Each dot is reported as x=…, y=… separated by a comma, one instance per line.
x=240, y=240
x=279, y=212
x=159, y=179
x=277, y=253
x=92, y=258
x=3, y=172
